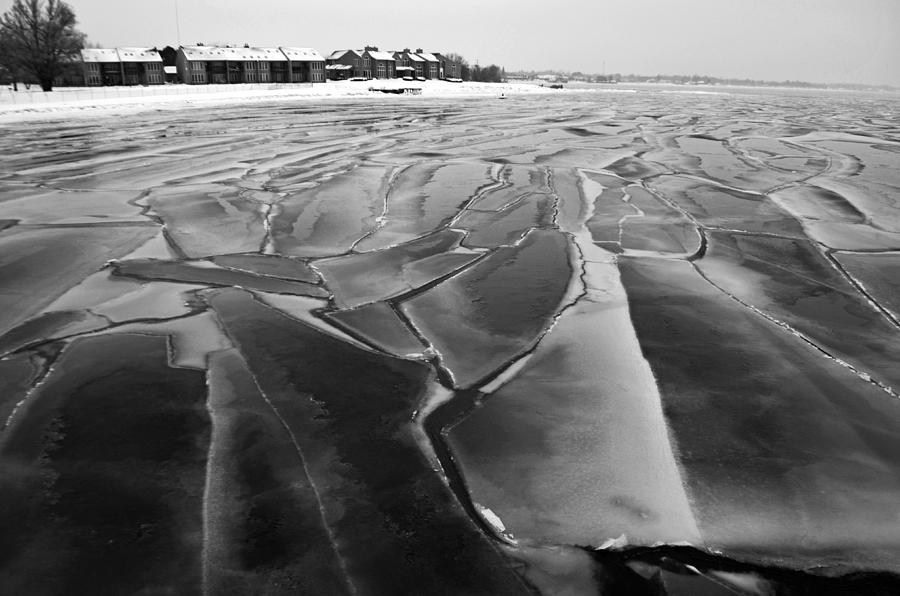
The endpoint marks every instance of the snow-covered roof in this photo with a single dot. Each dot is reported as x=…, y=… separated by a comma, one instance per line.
x=138, y=55
x=170, y=70
x=428, y=57
x=236, y=54
x=380, y=55
x=99, y=55
x=270, y=54
x=415, y=58
x=204, y=52
x=302, y=55
x=337, y=67
x=337, y=54
x=254, y=54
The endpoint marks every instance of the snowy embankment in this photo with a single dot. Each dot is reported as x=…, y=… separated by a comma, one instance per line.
x=84, y=101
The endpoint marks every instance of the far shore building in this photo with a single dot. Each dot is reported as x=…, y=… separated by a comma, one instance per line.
x=121, y=66
x=200, y=65
x=305, y=65
x=449, y=69
x=383, y=65
x=101, y=67
x=418, y=64
x=431, y=67
x=409, y=64
x=211, y=65
x=256, y=65
x=347, y=64
x=141, y=66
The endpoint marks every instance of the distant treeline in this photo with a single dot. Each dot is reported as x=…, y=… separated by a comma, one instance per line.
x=482, y=74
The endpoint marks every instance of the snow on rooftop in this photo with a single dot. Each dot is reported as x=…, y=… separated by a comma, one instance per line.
x=303, y=55
x=428, y=57
x=203, y=52
x=375, y=55
x=99, y=55
x=337, y=54
x=415, y=58
x=239, y=54
x=269, y=54
x=138, y=55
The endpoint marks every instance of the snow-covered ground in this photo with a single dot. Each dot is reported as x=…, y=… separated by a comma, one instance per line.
x=64, y=102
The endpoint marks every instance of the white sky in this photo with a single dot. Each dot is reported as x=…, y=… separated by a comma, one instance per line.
x=854, y=41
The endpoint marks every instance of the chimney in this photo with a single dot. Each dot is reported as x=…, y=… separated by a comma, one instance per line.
x=418, y=50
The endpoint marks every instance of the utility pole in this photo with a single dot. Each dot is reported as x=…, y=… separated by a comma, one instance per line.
x=177, y=25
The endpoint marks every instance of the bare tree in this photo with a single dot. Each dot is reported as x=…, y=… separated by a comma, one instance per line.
x=38, y=38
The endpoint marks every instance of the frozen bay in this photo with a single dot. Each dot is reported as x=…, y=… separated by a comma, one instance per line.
x=639, y=339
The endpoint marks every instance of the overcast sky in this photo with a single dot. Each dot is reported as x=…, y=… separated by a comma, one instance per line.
x=855, y=41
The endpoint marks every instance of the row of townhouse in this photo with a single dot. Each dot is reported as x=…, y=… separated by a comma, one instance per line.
x=201, y=65
x=122, y=66
x=372, y=63
x=198, y=65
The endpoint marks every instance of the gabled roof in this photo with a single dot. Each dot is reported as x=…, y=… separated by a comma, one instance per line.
x=270, y=54
x=337, y=67
x=204, y=52
x=415, y=58
x=428, y=57
x=375, y=55
x=302, y=55
x=338, y=54
x=254, y=54
x=138, y=55
x=99, y=55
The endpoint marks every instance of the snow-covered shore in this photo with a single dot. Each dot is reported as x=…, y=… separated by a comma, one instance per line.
x=66, y=102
